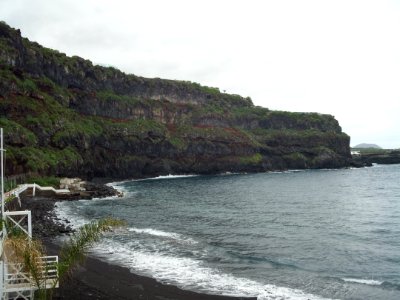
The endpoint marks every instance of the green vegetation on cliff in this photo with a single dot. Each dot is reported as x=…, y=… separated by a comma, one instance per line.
x=64, y=116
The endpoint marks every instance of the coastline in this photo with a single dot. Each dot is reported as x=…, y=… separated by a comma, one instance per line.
x=97, y=279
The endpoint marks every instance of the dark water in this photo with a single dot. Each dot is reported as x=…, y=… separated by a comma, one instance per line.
x=294, y=235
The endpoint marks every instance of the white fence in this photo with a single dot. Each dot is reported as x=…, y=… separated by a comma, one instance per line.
x=19, y=220
x=16, y=282
x=17, y=278
x=23, y=187
x=19, y=283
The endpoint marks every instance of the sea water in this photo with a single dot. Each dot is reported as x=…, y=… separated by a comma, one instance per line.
x=315, y=234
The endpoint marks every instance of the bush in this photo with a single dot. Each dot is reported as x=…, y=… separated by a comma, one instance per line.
x=29, y=86
x=253, y=159
x=46, y=181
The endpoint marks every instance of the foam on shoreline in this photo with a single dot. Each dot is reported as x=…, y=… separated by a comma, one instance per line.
x=191, y=274
x=159, y=233
x=188, y=273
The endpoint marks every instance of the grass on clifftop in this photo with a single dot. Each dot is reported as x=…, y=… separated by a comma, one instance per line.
x=45, y=181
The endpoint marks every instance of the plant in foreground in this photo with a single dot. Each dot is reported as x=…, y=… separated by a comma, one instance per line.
x=28, y=254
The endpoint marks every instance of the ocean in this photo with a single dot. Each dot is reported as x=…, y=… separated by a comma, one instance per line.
x=313, y=234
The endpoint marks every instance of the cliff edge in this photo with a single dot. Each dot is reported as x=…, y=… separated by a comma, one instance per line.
x=65, y=116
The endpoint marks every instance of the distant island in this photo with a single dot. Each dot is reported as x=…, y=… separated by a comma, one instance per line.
x=64, y=116
x=366, y=145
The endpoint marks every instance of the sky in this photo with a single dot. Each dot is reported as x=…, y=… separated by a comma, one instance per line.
x=335, y=57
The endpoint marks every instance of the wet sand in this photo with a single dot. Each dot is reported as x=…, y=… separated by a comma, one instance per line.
x=96, y=279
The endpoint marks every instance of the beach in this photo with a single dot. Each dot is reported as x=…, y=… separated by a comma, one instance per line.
x=96, y=279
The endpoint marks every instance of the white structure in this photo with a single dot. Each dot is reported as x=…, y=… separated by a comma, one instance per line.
x=354, y=152
x=15, y=281
x=23, y=187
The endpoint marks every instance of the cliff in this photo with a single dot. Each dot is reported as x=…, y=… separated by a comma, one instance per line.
x=65, y=116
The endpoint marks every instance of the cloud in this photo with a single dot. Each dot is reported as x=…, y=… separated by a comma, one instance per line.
x=338, y=57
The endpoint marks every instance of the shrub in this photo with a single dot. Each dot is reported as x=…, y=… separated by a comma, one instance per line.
x=29, y=86
x=253, y=159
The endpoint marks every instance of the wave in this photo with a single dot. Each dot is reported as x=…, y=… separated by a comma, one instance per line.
x=363, y=281
x=68, y=216
x=164, y=234
x=295, y=170
x=184, y=272
x=232, y=173
x=192, y=274
x=287, y=171
x=117, y=183
x=119, y=186
x=372, y=282
x=170, y=176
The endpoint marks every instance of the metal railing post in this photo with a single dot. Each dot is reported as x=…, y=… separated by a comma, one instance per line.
x=30, y=223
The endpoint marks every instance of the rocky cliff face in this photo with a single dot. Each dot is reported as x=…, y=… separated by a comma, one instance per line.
x=63, y=115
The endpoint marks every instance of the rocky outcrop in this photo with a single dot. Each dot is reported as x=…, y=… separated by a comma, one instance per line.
x=386, y=157
x=64, y=116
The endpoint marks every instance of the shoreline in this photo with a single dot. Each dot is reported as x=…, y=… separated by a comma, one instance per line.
x=95, y=278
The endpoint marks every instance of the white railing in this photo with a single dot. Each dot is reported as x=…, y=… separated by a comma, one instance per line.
x=21, y=220
x=23, y=187
x=16, y=281
x=23, y=295
x=16, y=278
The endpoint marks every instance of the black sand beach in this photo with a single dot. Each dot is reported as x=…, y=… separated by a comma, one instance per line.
x=96, y=279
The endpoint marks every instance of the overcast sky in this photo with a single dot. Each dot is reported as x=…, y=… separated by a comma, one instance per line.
x=336, y=57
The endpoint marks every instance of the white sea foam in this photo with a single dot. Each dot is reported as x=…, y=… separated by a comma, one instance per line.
x=119, y=186
x=294, y=170
x=170, y=176
x=286, y=171
x=363, y=281
x=232, y=173
x=164, y=234
x=68, y=215
x=187, y=273
x=117, y=183
x=192, y=274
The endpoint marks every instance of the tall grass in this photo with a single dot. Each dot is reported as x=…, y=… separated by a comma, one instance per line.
x=21, y=251
x=28, y=253
x=74, y=250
